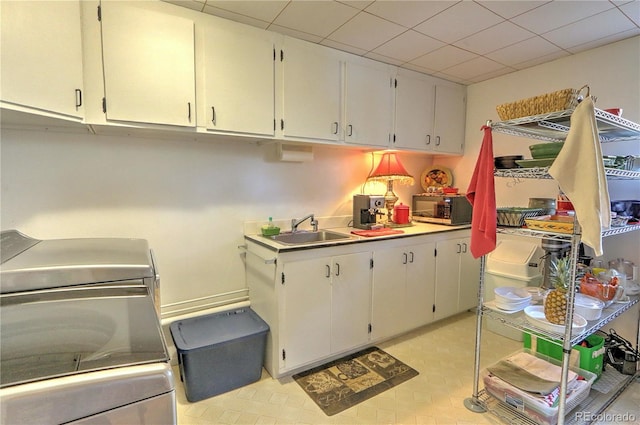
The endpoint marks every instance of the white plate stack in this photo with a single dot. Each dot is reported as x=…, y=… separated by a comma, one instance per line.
x=510, y=298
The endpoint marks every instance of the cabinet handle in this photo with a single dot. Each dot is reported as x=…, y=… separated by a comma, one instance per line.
x=459, y=248
x=189, y=110
x=437, y=140
x=464, y=247
x=335, y=126
x=404, y=258
x=337, y=269
x=328, y=275
x=213, y=115
x=349, y=130
x=411, y=253
x=428, y=139
x=78, y=98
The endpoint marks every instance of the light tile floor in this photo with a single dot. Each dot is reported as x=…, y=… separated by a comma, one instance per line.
x=443, y=353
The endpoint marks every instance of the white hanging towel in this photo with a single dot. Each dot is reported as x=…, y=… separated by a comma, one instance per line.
x=579, y=171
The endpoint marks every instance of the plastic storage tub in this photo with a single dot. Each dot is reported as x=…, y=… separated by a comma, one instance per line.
x=587, y=358
x=514, y=263
x=219, y=352
x=534, y=407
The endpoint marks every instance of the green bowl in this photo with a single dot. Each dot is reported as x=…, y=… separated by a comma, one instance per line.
x=545, y=150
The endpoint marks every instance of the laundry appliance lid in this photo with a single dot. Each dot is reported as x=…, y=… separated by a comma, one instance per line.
x=55, y=333
x=30, y=264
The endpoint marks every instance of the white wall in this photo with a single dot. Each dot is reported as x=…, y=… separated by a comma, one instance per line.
x=613, y=74
x=188, y=198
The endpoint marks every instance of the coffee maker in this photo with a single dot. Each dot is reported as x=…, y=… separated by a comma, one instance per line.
x=366, y=209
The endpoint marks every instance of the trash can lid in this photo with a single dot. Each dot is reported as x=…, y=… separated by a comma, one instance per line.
x=217, y=328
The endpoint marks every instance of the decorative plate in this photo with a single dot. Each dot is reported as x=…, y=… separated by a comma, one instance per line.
x=436, y=177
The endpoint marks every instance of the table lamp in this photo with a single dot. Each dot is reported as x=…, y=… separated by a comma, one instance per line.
x=389, y=170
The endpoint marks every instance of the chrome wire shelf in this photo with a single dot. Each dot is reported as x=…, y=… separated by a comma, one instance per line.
x=543, y=173
x=521, y=231
x=554, y=126
x=519, y=321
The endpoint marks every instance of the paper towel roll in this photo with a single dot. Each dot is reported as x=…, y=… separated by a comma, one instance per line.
x=294, y=153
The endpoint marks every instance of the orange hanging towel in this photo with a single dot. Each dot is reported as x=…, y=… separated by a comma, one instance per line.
x=482, y=196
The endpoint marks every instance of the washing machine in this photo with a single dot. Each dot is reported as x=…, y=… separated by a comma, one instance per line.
x=88, y=352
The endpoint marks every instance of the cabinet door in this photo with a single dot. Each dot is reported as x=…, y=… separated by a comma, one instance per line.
x=449, y=119
x=351, y=301
x=369, y=105
x=239, y=81
x=414, y=113
x=42, y=56
x=149, y=73
x=469, y=277
x=306, y=314
x=447, y=278
x=311, y=91
x=388, y=293
x=420, y=284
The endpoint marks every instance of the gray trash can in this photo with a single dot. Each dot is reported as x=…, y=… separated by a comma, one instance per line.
x=219, y=352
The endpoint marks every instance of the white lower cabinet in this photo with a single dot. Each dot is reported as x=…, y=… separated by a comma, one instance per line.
x=403, y=289
x=321, y=303
x=457, y=278
x=326, y=307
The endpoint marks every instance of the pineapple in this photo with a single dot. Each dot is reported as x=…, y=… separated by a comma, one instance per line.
x=555, y=303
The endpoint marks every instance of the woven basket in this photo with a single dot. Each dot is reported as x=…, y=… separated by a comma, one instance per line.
x=543, y=104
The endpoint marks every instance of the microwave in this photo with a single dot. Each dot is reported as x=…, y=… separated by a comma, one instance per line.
x=442, y=209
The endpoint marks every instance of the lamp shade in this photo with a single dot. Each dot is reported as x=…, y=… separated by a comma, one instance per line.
x=390, y=168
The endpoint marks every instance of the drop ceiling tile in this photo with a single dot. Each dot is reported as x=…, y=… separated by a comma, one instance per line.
x=366, y=31
x=232, y=16
x=605, y=40
x=523, y=51
x=189, y=4
x=590, y=29
x=443, y=58
x=296, y=34
x=490, y=75
x=408, y=13
x=496, y=37
x=262, y=10
x=358, y=4
x=417, y=68
x=542, y=59
x=458, y=21
x=408, y=45
x=382, y=58
x=320, y=18
x=343, y=47
x=559, y=13
x=632, y=10
x=509, y=9
x=474, y=68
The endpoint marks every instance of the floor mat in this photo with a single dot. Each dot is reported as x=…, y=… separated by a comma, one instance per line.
x=343, y=383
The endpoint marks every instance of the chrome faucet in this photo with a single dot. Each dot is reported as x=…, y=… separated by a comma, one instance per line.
x=295, y=223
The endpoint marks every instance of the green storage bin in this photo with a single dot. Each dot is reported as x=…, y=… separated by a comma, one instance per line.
x=590, y=359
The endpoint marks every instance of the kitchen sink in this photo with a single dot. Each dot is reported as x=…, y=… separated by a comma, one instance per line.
x=304, y=238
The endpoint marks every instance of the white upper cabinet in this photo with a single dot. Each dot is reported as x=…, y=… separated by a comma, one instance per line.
x=311, y=91
x=430, y=115
x=238, y=80
x=42, y=57
x=368, y=104
x=414, y=112
x=149, y=65
x=450, y=109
